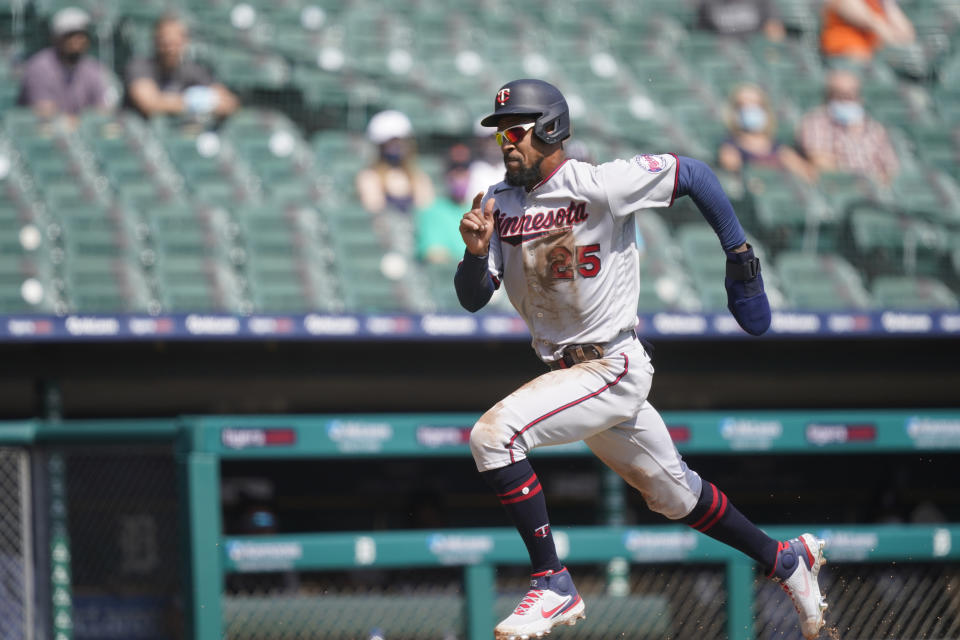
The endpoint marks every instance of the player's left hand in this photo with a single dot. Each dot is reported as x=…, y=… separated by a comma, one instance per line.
x=746, y=299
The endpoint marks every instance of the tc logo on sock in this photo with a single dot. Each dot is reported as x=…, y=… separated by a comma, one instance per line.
x=542, y=532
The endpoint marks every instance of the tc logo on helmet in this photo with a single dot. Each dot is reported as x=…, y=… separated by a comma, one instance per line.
x=502, y=96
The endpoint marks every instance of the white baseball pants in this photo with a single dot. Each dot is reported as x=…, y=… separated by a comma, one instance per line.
x=604, y=403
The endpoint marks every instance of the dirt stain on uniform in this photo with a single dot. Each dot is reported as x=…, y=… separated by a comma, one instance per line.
x=488, y=426
x=548, y=261
x=550, y=267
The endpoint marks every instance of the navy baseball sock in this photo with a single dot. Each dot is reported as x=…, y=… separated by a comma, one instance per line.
x=715, y=516
x=519, y=491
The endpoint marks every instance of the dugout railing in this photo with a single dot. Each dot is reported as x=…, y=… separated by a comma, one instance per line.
x=197, y=445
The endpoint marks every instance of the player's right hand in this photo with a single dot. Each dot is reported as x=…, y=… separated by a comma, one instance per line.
x=476, y=226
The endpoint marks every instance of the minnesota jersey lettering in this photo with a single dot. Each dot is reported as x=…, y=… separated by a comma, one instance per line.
x=514, y=229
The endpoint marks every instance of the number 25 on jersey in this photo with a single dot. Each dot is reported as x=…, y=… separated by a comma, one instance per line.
x=562, y=266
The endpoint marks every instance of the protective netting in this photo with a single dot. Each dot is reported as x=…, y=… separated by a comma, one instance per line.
x=894, y=601
x=663, y=601
x=14, y=515
x=122, y=516
x=919, y=601
x=413, y=604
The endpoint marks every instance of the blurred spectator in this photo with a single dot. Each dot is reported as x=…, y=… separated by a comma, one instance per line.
x=854, y=30
x=740, y=18
x=438, y=224
x=393, y=182
x=752, y=124
x=171, y=84
x=840, y=136
x=579, y=150
x=487, y=166
x=62, y=78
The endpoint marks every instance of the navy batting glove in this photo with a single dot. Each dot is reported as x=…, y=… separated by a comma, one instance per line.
x=746, y=298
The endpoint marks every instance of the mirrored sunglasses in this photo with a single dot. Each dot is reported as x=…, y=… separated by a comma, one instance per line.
x=514, y=134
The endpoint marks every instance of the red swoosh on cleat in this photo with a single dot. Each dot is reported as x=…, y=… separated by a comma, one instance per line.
x=548, y=614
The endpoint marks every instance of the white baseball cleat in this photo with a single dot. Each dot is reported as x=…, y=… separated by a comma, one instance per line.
x=797, y=567
x=552, y=600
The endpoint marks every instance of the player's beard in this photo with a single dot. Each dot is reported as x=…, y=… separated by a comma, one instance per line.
x=525, y=176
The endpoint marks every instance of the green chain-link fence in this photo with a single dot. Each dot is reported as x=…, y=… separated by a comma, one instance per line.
x=121, y=515
x=109, y=517
x=16, y=572
x=868, y=601
x=654, y=601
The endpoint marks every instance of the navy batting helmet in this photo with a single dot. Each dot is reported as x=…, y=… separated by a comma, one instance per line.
x=530, y=97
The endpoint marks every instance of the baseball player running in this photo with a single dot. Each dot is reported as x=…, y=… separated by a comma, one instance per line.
x=559, y=235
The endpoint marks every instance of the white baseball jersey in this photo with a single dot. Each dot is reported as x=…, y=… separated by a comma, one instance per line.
x=566, y=250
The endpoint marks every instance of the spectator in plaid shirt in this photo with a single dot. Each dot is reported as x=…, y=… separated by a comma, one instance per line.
x=840, y=136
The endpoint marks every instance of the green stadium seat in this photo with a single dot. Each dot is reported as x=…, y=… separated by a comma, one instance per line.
x=320, y=89
x=19, y=296
x=440, y=281
x=706, y=264
x=799, y=17
x=289, y=190
x=12, y=301
x=287, y=283
x=885, y=243
x=199, y=283
x=287, y=259
x=843, y=190
x=147, y=196
x=177, y=232
x=650, y=300
x=821, y=281
x=21, y=235
x=948, y=187
x=365, y=288
x=796, y=219
x=107, y=284
x=90, y=229
x=903, y=292
x=352, y=232
x=219, y=192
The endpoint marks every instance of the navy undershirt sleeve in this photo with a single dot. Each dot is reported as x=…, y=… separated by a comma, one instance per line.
x=473, y=282
x=697, y=180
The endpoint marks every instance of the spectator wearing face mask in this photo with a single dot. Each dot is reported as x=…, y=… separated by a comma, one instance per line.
x=438, y=239
x=62, y=78
x=393, y=182
x=752, y=126
x=840, y=136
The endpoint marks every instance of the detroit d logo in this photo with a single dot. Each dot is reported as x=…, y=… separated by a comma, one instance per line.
x=502, y=96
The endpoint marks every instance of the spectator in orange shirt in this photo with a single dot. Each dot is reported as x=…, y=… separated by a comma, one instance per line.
x=856, y=29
